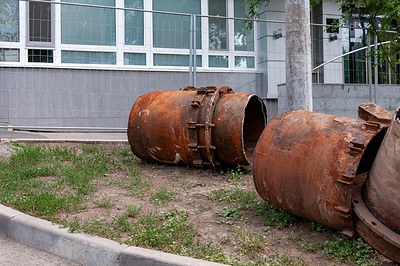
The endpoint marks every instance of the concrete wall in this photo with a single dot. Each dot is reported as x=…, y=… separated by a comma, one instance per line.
x=344, y=99
x=93, y=98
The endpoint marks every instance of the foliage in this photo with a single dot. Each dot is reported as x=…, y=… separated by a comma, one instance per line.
x=383, y=18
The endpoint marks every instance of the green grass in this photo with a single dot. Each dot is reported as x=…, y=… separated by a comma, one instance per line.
x=162, y=196
x=57, y=182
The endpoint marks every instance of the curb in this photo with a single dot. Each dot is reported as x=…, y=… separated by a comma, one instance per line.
x=82, y=248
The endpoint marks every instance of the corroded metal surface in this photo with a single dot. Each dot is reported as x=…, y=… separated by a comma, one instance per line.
x=373, y=112
x=370, y=228
x=382, y=188
x=306, y=163
x=196, y=126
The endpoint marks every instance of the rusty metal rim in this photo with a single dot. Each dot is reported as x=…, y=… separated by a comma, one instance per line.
x=371, y=229
x=264, y=111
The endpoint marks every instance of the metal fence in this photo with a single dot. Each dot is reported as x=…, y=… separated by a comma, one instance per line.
x=78, y=65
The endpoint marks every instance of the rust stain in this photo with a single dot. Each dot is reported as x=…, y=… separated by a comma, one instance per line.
x=205, y=126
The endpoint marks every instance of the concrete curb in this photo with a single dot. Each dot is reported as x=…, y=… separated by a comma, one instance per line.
x=82, y=248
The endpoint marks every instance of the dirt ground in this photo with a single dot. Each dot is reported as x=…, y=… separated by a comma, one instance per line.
x=191, y=188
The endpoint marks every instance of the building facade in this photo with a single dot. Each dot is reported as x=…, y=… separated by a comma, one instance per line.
x=85, y=62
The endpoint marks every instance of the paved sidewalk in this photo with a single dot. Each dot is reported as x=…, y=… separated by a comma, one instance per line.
x=52, y=136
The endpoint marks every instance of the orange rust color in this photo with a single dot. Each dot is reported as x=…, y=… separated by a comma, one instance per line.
x=306, y=162
x=196, y=126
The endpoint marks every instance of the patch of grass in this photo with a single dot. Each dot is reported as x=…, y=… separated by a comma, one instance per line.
x=233, y=174
x=276, y=217
x=168, y=230
x=285, y=259
x=105, y=202
x=349, y=251
x=317, y=227
x=133, y=211
x=233, y=212
x=162, y=196
x=42, y=181
x=248, y=242
x=122, y=222
x=203, y=209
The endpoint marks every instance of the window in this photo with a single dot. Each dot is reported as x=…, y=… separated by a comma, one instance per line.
x=88, y=25
x=9, y=55
x=244, y=40
x=244, y=62
x=218, y=36
x=173, y=31
x=137, y=59
x=40, y=56
x=9, y=21
x=134, y=23
x=83, y=57
x=218, y=61
x=40, y=22
x=174, y=60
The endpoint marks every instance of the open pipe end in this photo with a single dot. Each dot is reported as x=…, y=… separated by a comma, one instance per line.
x=253, y=126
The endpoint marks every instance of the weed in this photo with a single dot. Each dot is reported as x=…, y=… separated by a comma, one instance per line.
x=285, y=259
x=189, y=202
x=350, y=251
x=248, y=242
x=317, y=227
x=122, y=222
x=234, y=212
x=162, y=196
x=278, y=217
x=177, y=174
x=133, y=211
x=74, y=225
x=234, y=175
x=203, y=209
x=104, y=202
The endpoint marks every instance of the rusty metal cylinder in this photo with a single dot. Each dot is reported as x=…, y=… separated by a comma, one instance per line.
x=382, y=188
x=306, y=163
x=206, y=126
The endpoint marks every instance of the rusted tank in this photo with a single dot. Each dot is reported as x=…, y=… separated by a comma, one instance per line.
x=340, y=172
x=205, y=126
x=306, y=163
x=377, y=201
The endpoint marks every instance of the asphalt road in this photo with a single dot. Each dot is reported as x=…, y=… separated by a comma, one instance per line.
x=15, y=254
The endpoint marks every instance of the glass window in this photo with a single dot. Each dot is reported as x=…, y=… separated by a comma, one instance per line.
x=9, y=21
x=39, y=22
x=134, y=23
x=135, y=59
x=174, y=60
x=83, y=57
x=9, y=55
x=173, y=31
x=217, y=26
x=244, y=40
x=40, y=56
x=218, y=61
x=88, y=25
x=244, y=62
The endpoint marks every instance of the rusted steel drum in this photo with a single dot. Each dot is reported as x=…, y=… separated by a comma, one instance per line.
x=377, y=205
x=206, y=126
x=306, y=163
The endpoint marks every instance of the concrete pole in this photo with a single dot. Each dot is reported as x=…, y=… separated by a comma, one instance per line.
x=298, y=55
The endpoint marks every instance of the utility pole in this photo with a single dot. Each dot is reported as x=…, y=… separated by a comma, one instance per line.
x=298, y=55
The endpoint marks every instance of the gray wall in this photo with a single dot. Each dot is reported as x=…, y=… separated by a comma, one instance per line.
x=93, y=98
x=344, y=99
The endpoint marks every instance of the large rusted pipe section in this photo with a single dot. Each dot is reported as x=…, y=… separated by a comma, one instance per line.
x=205, y=126
x=340, y=172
